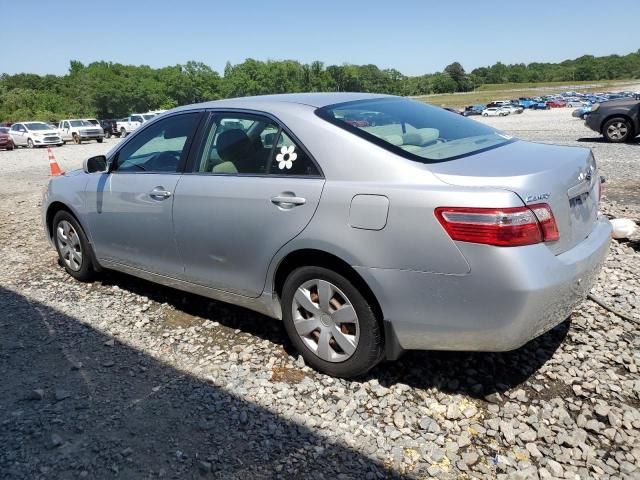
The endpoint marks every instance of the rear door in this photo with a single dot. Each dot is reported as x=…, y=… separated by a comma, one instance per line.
x=251, y=189
x=130, y=209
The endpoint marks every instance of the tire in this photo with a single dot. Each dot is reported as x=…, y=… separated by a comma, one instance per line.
x=11, y=145
x=69, y=237
x=485, y=114
x=76, y=139
x=362, y=338
x=123, y=133
x=29, y=143
x=617, y=130
x=99, y=140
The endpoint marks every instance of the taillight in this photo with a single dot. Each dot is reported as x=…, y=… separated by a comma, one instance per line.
x=503, y=227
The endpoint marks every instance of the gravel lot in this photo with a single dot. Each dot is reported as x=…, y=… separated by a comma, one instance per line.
x=122, y=378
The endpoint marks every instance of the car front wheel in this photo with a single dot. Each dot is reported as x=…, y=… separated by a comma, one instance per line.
x=617, y=130
x=72, y=246
x=331, y=323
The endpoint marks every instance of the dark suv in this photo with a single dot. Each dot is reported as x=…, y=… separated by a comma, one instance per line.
x=617, y=120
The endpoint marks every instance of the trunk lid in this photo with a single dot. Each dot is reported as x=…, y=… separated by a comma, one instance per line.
x=565, y=178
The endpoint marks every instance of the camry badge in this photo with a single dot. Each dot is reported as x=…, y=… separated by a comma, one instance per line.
x=537, y=197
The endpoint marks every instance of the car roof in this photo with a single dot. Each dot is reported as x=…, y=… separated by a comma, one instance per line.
x=317, y=100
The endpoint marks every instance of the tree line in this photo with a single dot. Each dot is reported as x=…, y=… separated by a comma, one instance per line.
x=111, y=90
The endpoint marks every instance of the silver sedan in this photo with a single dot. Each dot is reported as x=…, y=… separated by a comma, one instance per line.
x=369, y=224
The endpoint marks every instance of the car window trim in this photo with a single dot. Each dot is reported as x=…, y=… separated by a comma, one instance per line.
x=183, y=158
x=216, y=113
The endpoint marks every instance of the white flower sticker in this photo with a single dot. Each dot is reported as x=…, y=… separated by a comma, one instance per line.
x=286, y=157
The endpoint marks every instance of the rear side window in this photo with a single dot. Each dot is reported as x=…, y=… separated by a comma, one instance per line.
x=252, y=145
x=414, y=129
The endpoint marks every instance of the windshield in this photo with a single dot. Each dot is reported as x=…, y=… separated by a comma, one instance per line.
x=148, y=117
x=37, y=126
x=414, y=129
x=80, y=123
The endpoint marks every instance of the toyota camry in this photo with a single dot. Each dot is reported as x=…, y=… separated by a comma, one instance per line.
x=369, y=224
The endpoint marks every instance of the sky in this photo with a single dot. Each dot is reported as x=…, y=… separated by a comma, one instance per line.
x=413, y=36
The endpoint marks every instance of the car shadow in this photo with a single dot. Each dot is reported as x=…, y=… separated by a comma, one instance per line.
x=476, y=374
x=602, y=140
x=77, y=403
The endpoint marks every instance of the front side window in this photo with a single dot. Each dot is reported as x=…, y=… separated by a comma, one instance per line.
x=252, y=145
x=160, y=147
x=413, y=129
x=136, y=118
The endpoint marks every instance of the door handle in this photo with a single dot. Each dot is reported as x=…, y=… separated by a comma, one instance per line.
x=159, y=193
x=285, y=201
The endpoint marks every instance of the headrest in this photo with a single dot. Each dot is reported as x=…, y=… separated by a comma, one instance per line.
x=421, y=137
x=232, y=145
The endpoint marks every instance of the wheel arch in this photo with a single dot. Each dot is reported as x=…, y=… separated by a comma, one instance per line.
x=320, y=258
x=57, y=206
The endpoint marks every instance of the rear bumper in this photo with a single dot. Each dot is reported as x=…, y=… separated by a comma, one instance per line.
x=511, y=295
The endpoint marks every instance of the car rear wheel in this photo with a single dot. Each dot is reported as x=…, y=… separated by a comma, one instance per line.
x=617, y=130
x=76, y=139
x=331, y=323
x=72, y=246
x=99, y=140
x=10, y=145
x=123, y=133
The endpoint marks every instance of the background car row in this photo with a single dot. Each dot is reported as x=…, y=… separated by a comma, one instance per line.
x=583, y=101
x=57, y=133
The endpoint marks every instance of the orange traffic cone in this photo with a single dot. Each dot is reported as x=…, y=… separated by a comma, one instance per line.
x=53, y=165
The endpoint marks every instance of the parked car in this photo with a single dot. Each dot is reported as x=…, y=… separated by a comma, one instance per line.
x=473, y=110
x=438, y=232
x=5, y=139
x=526, y=102
x=132, y=122
x=581, y=112
x=110, y=127
x=34, y=134
x=576, y=103
x=495, y=112
x=78, y=130
x=556, y=103
x=617, y=120
x=540, y=106
x=513, y=108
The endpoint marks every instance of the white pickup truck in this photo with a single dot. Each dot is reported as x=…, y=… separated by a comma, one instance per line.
x=132, y=122
x=78, y=130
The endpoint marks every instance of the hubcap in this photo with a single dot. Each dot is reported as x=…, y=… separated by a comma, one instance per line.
x=69, y=245
x=617, y=130
x=325, y=320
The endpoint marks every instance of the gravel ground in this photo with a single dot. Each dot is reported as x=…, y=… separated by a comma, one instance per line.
x=122, y=378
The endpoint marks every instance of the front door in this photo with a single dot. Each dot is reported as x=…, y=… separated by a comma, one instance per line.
x=130, y=209
x=251, y=190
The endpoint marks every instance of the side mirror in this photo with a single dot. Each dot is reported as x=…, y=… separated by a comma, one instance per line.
x=96, y=164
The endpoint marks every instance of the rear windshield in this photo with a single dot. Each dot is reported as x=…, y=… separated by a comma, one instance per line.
x=414, y=129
